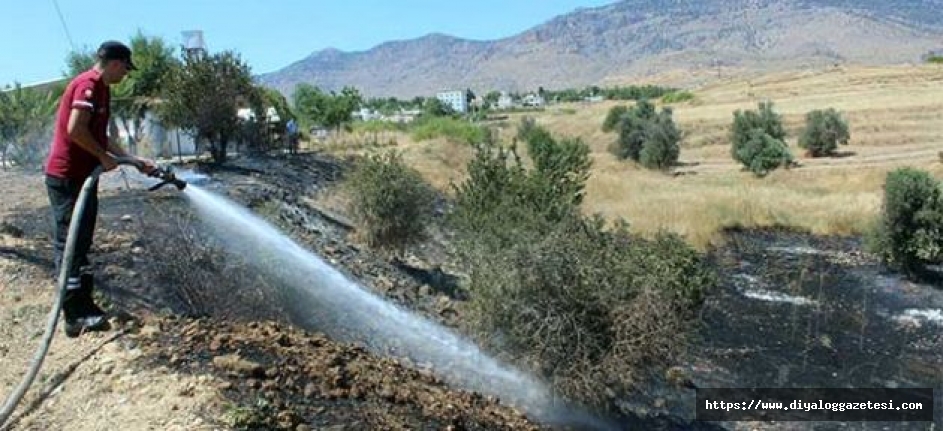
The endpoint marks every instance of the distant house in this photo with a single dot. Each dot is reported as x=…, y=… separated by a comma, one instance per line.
x=404, y=116
x=533, y=100
x=367, y=114
x=505, y=101
x=457, y=99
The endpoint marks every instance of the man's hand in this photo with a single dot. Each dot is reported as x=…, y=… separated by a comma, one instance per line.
x=108, y=162
x=146, y=166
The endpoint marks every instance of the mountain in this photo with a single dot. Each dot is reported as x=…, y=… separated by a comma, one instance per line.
x=636, y=39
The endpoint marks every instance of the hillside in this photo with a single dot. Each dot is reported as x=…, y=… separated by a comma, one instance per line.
x=688, y=42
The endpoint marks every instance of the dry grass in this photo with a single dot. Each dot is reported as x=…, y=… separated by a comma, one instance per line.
x=895, y=116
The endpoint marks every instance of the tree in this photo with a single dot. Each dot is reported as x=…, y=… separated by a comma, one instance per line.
x=824, y=131
x=203, y=98
x=317, y=108
x=25, y=118
x=78, y=62
x=630, y=124
x=139, y=91
x=564, y=163
x=910, y=232
x=342, y=106
x=762, y=153
x=759, y=134
x=311, y=105
x=434, y=107
x=645, y=135
x=662, y=142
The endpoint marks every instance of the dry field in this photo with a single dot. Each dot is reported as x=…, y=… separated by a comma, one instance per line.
x=895, y=115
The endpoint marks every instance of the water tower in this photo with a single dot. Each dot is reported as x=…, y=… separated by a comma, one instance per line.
x=193, y=43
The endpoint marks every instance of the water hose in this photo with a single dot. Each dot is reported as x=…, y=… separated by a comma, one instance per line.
x=14, y=399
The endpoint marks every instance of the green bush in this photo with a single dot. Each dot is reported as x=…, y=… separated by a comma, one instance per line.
x=909, y=233
x=589, y=307
x=824, y=131
x=758, y=140
x=593, y=307
x=564, y=163
x=761, y=153
x=677, y=97
x=450, y=128
x=502, y=200
x=661, y=148
x=645, y=136
x=390, y=201
x=630, y=124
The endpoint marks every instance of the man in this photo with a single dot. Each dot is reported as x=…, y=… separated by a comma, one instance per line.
x=291, y=129
x=80, y=144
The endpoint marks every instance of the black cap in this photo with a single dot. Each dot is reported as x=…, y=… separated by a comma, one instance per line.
x=114, y=50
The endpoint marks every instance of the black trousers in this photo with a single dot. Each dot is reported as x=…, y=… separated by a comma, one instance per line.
x=63, y=195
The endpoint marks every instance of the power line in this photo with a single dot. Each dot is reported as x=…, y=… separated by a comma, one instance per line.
x=64, y=26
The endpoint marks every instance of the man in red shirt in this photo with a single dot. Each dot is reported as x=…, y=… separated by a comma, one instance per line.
x=80, y=143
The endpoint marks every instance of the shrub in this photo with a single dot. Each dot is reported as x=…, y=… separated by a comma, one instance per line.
x=614, y=117
x=645, y=136
x=758, y=139
x=677, y=97
x=564, y=163
x=207, y=273
x=591, y=307
x=501, y=200
x=390, y=201
x=824, y=131
x=449, y=128
x=588, y=307
x=909, y=233
x=630, y=126
x=762, y=153
x=661, y=148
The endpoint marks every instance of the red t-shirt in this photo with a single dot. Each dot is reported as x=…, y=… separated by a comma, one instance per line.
x=66, y=158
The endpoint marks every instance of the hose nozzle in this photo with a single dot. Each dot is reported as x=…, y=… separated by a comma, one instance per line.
x=167, y=177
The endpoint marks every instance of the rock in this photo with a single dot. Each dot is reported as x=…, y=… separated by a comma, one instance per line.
x=127, y=217
x=235, y=364
x=137, y=250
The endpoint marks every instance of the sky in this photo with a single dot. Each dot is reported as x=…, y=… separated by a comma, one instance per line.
x=269, y=34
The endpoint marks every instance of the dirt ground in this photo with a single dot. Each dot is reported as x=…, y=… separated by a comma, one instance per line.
x=163, y=367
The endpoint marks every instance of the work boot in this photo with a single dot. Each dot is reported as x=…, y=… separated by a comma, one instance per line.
x=78, y=326
x=81, y=314
x=87, y=302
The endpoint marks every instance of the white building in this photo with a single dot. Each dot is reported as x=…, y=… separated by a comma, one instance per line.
x=505, y=101
x=457, y=99
x=533, y=100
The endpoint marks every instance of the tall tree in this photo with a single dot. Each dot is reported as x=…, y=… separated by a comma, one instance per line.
x=26, y=115
x=203, y=98
x=311, y=105
x=140, y=90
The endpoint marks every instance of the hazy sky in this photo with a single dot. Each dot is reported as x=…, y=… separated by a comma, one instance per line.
x=269, y=34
